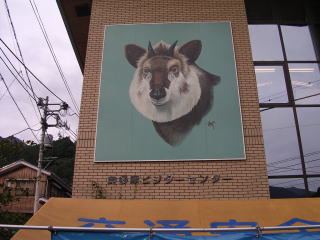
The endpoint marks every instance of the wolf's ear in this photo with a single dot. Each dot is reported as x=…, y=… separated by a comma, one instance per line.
x=134, y=53
x=191, y=50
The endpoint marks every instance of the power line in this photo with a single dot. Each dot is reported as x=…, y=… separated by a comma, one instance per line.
x=18, y=73
x=33, y=73
x=296, y=99
x=14, y=46
x=17, y=79
x=301, y=125
x=26, y=130
x=309, y=96
x=74, y=134
x=10, y=84
x=65, y=134
x=30, y=71
x=18, y=107
x=284, y=92
x=313, y=160
x=293, y=158
x=283, y=169
x=293, y=180
x=18, y=45
x=11, y=33
x=72, y=138
x=34, y=97
x=310, y=181
x=20, y=53
x=39, y=20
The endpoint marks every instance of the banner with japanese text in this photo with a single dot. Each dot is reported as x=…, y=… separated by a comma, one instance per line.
x=145, y=236
x=102, y=213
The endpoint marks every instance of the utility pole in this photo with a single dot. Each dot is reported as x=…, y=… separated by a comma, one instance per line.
x=44, y=105
x=43, y=121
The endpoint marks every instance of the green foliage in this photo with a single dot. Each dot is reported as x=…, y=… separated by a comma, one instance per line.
x=9, y=218
x=5, y=196
x=63, y=149
x=11, y=150
x=97, y=191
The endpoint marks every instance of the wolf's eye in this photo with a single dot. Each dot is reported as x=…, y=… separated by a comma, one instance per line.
x=174, y=69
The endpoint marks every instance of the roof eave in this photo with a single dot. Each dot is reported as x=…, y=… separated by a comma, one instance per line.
x=74, y=46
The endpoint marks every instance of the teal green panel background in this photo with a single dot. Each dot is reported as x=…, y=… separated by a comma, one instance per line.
x=123, y=134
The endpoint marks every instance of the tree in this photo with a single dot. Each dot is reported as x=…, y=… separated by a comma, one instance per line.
x=10, y=151
x=9, y=218
x=63, y=149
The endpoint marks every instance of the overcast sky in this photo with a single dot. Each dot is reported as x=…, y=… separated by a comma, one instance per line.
x=38, y=58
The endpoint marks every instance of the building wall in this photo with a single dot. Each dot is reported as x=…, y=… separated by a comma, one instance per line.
x=247, y=179
x=23, y=203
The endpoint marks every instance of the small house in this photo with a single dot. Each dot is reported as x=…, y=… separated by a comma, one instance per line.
x=20, y=178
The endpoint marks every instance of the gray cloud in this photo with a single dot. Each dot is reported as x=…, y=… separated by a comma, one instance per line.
x=38, y=58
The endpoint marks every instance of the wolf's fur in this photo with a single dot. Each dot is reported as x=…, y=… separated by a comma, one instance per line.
x=188, y=92
x=176, y=104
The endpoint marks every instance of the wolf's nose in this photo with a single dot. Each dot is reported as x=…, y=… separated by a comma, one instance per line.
x=158, y=93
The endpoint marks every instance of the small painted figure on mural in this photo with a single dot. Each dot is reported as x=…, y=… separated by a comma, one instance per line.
x=169, y=88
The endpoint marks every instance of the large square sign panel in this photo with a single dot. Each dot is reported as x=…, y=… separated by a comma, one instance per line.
x=169, y=92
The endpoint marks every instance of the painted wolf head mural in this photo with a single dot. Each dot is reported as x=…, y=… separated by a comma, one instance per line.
x=169, y=88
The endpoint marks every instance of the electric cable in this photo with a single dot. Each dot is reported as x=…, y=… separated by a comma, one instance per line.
x=72, y=138
x=69, y=135
x=310, y=181
x=17, y=42
x=313, y=160
x=73, y=132
x=33, y=74
x=284, y=92
x=18, y=73
x=293, y=180
x=283, y=169
x=18, y=107
x=18, y=45
x=293, y=158
x=302, y=183
x=43, y=29
x=10, y=84
x=36, y=130
x=309, y=96
x=11, y=33
x=296, y=99
x=30, y=71
x=301, y=125
x=17, y=80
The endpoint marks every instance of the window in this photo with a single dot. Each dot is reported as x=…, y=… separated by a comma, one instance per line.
x=21, y=187
x=287, y=71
